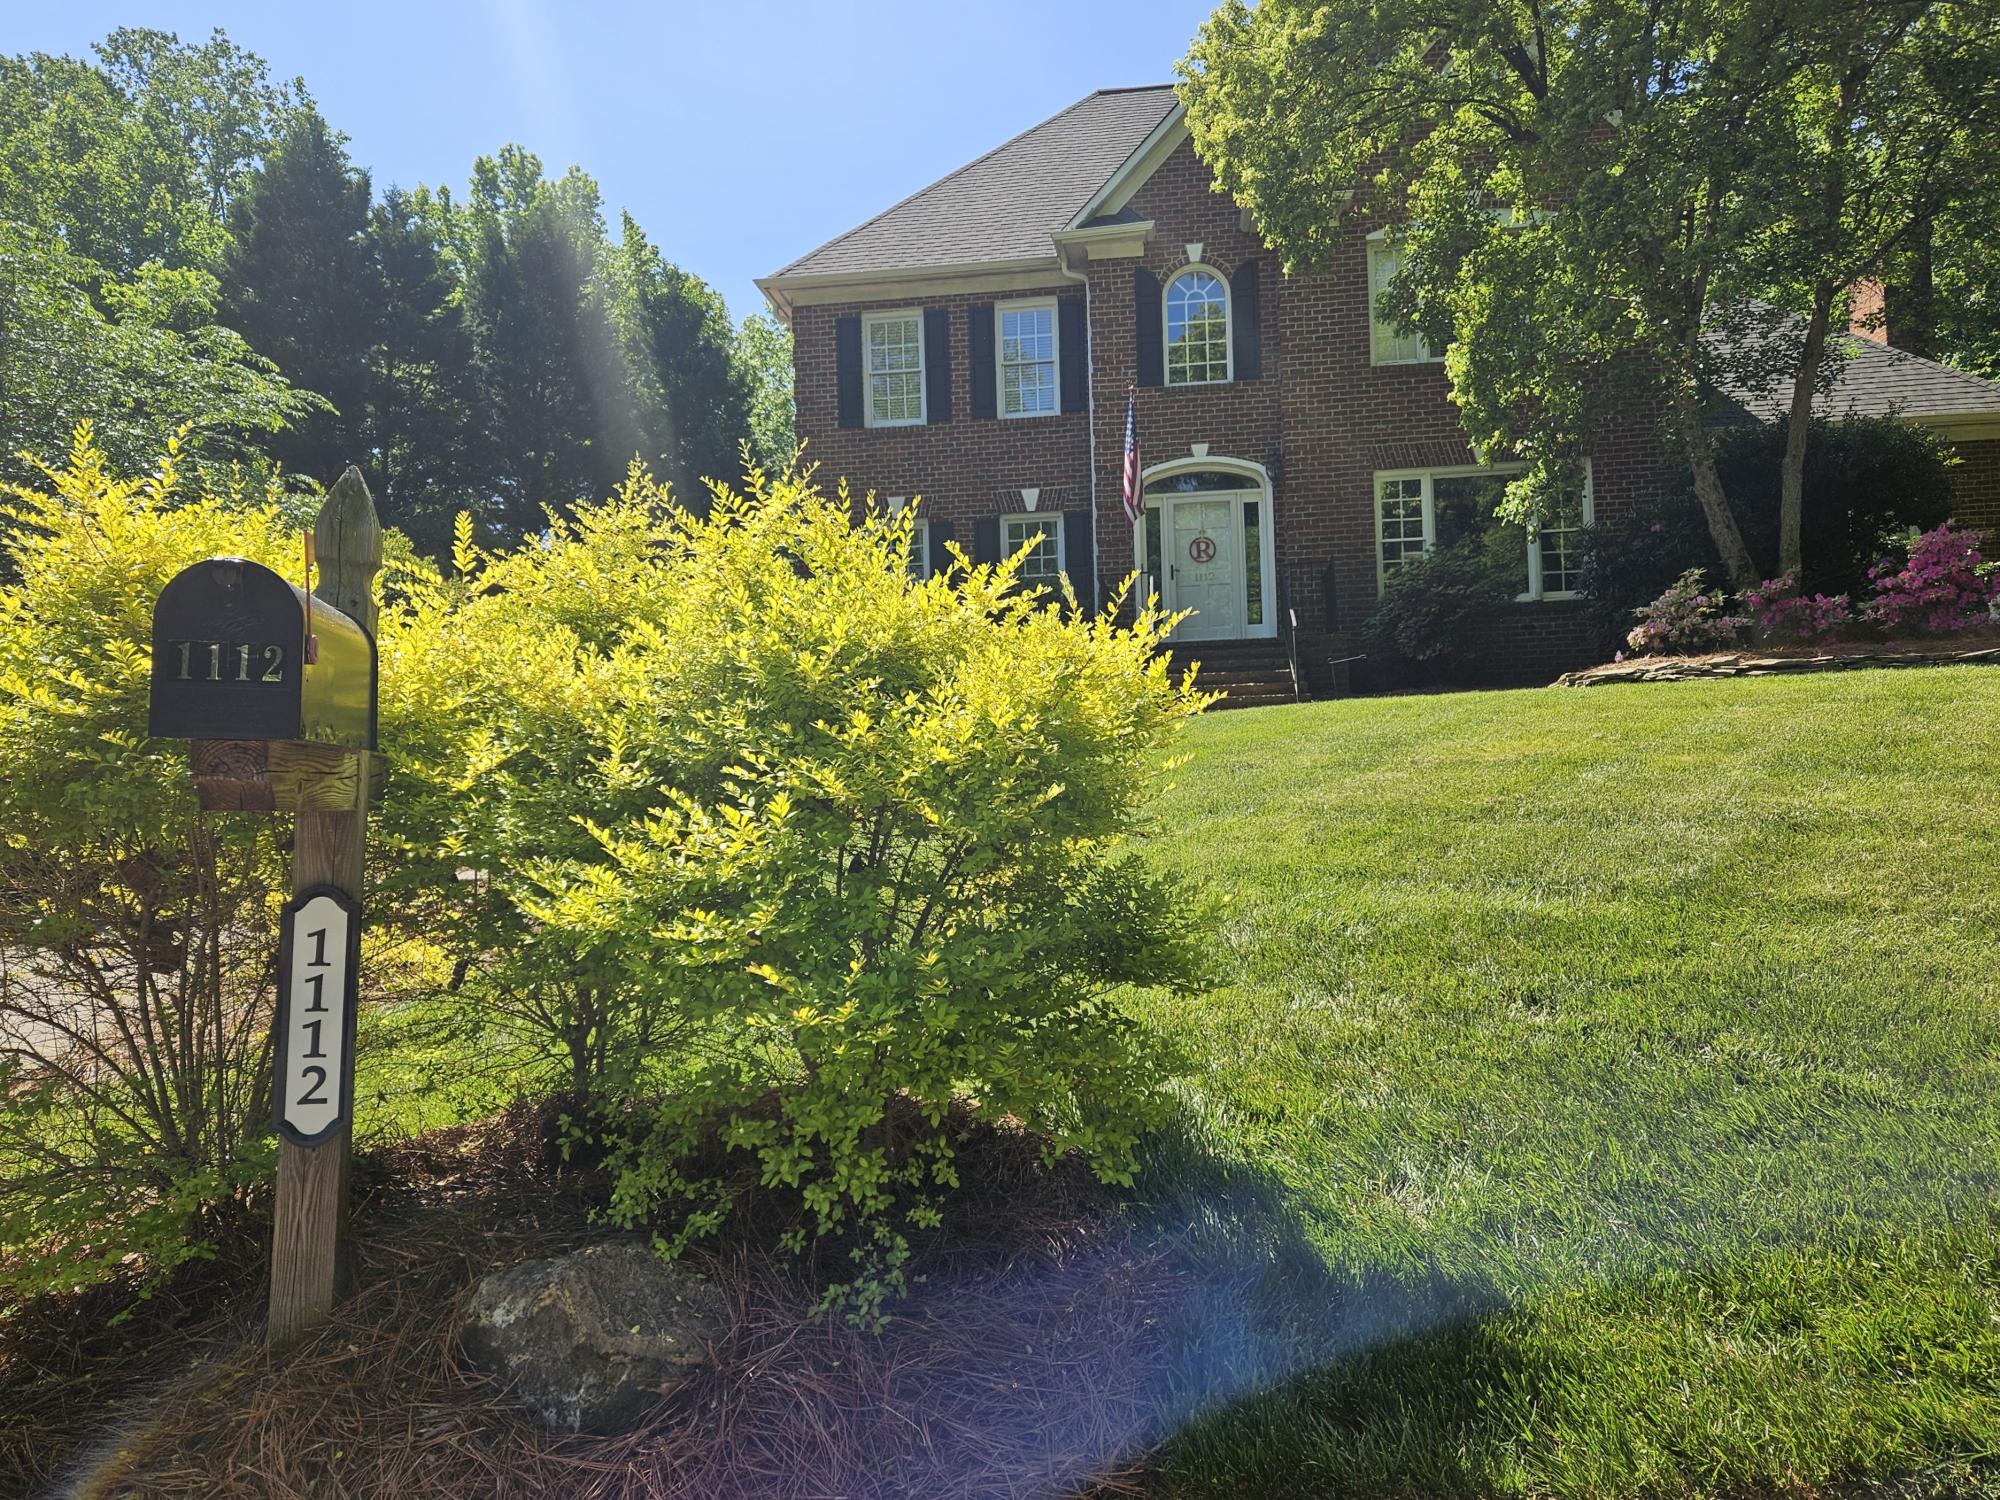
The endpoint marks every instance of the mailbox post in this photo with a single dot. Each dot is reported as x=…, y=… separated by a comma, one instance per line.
x=275, y=690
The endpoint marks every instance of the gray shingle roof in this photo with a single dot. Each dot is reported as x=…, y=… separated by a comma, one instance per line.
x=1005, y=205
x=1877, y=381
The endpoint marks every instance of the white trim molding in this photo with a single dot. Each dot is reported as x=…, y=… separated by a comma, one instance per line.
x=1106, y=241
x=1023, y=305
x=1132, y=173
x=1167, y=286
x=870, y=321
x=1256, y=488
x=1534, y=593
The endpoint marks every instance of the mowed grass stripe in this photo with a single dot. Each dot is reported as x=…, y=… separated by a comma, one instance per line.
x=1625, y=1062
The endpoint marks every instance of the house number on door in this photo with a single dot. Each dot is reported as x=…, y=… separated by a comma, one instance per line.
x=315, y=1023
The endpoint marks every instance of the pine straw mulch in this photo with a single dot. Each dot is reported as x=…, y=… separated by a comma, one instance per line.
x=1024, y=1362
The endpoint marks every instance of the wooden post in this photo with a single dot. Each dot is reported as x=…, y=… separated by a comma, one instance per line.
x=307, y=1256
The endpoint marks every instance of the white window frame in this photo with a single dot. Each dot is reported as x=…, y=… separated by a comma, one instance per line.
x=1228, y=328
x=1380, y=244
x=1589, y=519
x=1534, y=593
x=1026, y=304
x=919, y=561
x=868, y=372
x=1049, y=518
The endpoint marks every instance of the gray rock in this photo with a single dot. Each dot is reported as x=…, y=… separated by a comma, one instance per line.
x=590, y=1341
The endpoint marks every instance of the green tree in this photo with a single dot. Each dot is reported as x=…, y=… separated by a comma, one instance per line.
x=295, y=284
x=1588, y=192
x=77, y=160
x=143, y=357
x=694, y=396
x=421, y=424
x=764, y=349
x=212, y=102
x=562, y=414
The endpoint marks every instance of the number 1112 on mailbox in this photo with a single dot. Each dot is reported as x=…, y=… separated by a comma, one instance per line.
x=318, y=960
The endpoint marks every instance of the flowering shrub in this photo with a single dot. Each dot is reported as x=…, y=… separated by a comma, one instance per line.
x=1684, y=620
x=1944, y=586
x=1783, y=612
x=790, y=853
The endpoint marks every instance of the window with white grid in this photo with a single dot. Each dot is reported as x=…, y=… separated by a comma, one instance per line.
x=1555, y=561
x=1416, y=513
x=1027, y=351
x=895, y=351
x=1386, y=345
x=1045, y=563
x=920, y=550
x=1197, y=329
x=1402, y=521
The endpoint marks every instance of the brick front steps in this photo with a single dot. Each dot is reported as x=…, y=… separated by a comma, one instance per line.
x=1746, y=664
x=1247, y=673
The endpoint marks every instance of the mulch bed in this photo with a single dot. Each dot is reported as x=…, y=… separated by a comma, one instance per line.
x=1784, y=660
x=1025, y=1360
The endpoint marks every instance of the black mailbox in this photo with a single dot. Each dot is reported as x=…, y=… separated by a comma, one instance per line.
x=232, y=661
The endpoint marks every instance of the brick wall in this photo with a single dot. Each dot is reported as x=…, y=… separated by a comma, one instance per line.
x=965, y=469
x=1322, y=420
x=1975, y=483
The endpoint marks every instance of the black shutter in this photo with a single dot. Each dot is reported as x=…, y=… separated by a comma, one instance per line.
x=1079, y=556
x=937, y=365
x=940, y=540
x=979, y=347
x=1146, y=326
x=1073, y=349
x=986, y=540
x=847, y=368
x=1246, y=328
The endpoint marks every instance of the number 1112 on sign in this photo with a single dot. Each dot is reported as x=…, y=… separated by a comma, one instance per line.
x=318, y=957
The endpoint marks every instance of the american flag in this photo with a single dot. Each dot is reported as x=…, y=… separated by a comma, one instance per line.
x=1134, y=505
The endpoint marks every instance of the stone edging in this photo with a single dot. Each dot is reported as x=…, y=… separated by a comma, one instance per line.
x=1696, y=668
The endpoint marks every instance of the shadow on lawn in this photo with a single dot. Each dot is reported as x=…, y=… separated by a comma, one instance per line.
x=1267, y=1341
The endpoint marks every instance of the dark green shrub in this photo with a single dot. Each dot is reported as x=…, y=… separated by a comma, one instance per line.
x=1434, y=622
x=1867, y=479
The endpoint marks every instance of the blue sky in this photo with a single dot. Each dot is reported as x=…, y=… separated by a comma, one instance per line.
x=738, y=135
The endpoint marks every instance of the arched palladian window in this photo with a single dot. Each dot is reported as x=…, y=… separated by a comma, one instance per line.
x=1197, y=328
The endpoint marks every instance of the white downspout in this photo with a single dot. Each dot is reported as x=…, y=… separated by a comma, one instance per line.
x=1090, y=417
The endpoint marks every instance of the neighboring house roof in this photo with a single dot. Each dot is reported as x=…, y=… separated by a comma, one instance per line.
x=1874, y=380
x=1003, y=207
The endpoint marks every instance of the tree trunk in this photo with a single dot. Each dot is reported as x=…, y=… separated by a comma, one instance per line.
x=1737, y=564
x=1798, y=427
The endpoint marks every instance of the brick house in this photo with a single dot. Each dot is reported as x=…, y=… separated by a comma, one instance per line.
x=975, y=344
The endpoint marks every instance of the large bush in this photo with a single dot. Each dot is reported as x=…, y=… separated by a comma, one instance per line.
x=135, y=930
x=853, y=843
x=1867, y=480
x=1434, y=620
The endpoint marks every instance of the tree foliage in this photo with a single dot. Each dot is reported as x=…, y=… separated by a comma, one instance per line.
x=499, y=355
x=764, y=350
x=144, y=354
x=295, y=285
x=1589, y=192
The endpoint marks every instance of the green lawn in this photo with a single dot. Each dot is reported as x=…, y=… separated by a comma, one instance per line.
x=1607, y=1082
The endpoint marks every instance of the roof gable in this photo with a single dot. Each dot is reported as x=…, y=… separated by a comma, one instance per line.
x=1004, y=206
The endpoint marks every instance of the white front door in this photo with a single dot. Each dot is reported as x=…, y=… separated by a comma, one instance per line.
x=1204, y=547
